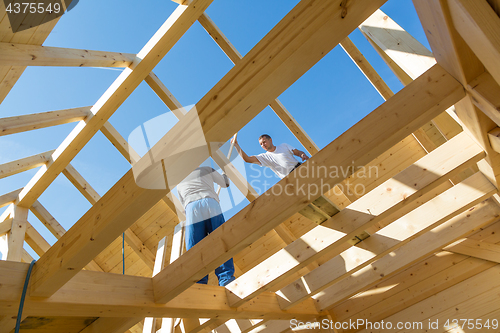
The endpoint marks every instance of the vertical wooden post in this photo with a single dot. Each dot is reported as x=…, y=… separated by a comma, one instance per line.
x=17, y=233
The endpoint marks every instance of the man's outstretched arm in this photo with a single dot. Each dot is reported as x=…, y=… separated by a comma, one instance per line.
x=300, y=154
x=244, y=156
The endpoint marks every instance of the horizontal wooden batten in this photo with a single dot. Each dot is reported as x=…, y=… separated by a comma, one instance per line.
x=12, y=54
x=17, y=124
x=24, y=164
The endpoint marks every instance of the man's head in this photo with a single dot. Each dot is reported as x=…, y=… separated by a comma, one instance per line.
x=266, y=142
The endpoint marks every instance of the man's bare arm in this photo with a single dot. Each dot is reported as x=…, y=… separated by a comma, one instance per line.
x=300, y=154
x=244, y=156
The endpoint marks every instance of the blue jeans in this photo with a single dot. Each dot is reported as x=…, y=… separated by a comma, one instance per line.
x=202, y=217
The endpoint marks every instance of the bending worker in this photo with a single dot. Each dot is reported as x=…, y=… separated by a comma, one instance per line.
x=203, y=213
x=279, y=158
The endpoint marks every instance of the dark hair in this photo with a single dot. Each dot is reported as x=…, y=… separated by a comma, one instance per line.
x=264, y=136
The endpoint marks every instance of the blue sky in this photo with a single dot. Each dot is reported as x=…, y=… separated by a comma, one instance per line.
x=326, y=101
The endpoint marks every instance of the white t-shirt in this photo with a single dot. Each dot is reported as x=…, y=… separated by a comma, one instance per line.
x=281, y=160
x=200, y=184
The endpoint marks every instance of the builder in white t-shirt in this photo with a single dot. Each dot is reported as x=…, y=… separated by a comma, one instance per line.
x=279, y=158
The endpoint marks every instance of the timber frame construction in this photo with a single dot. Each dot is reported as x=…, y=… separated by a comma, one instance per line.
x=422, y=245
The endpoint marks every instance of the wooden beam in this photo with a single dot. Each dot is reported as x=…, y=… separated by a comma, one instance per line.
x=474, y=296
x=408, y=59
x=404, y=50
x=479, y=26
x=165, y=95
x=5, y=226
x=95, y=294
x=17, y=233
x=222, y=247
x=149, y=325
x=29, y=122
x=477, y=249
x=35, y=240
x=428, y=216
x=81, y=184
x=379, y=205
x=459, y=226
x=485, y=94
x=8, y=198
x=23, y=164
x=367, y=69
x=151, y=54
x=56, y=229
x=47, y=220
x=294, y=126
x=34, y=55
x=120, y=143
x=111, y=325
x=494, y=136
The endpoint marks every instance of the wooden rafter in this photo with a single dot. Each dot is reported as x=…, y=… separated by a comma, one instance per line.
x=23, y=164
x=16, y=124
x=34, y=55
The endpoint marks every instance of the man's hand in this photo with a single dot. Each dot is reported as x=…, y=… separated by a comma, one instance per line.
x=304, y=157
x=234, y=141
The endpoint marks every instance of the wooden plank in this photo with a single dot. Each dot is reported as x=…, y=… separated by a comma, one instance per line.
x=165, y=95
x=35, y=240
x=494, y=136
x=151, y=54
x=294, y=127
x=457, y=272
x=110, y=325
x=55, y=228
x=426, y=278
x=120, y=143
x=81, y=184
x=477, y=249
x=223, y=246
x=429, y=215
x=411, y=56
x=17, y=124
x=459, y=226
x=23, y=164
x=391, y=199
x=47, y=220
x=35, y=55
x=476, y=290
x=485, y=94
x=17, y=233
x=95, y=294
x=149, y=325
x=5, y=226
x=367, y=69
x=479, y=25
x=8, y=198
x=407, y=58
